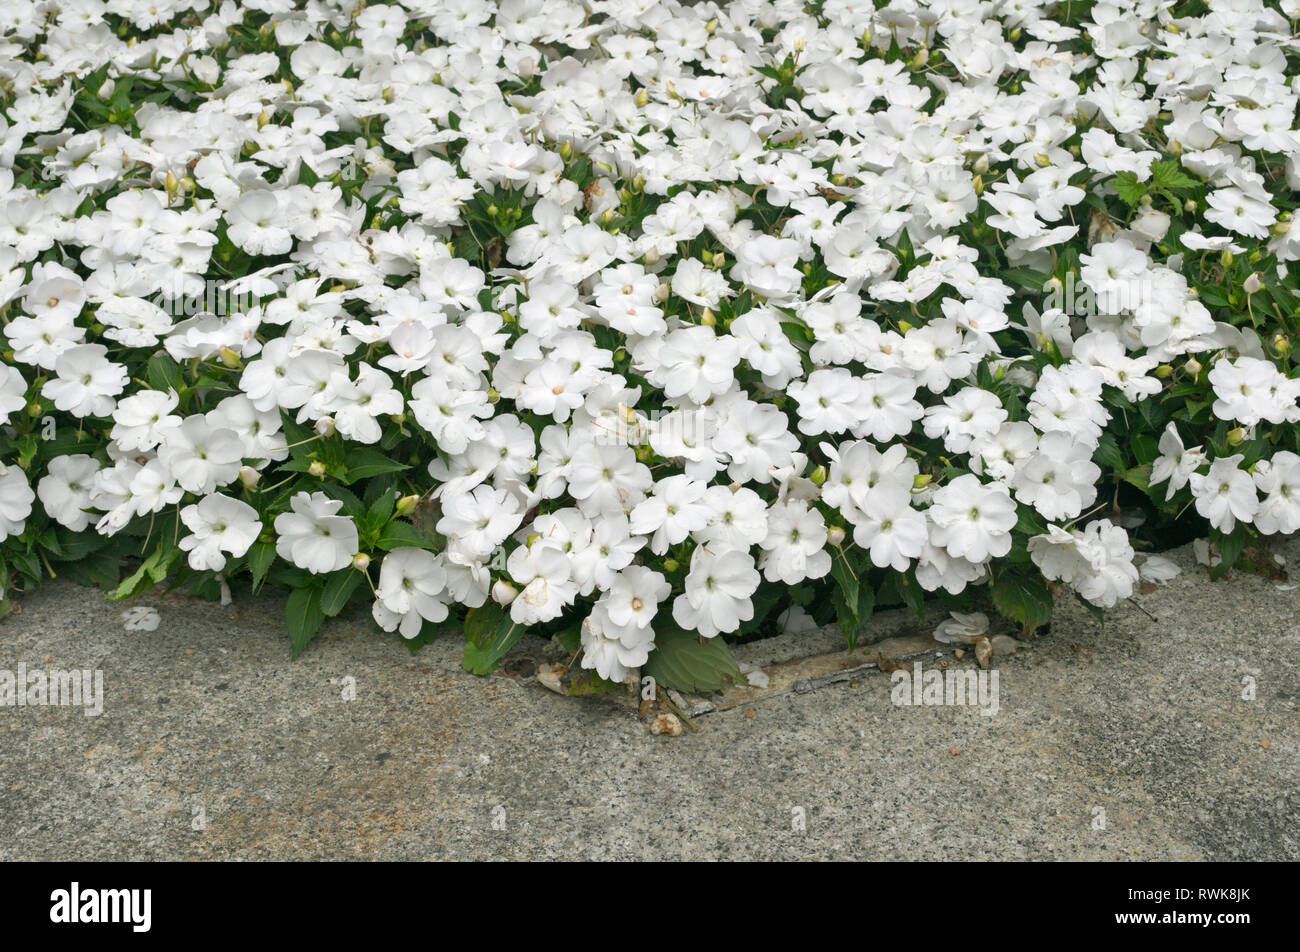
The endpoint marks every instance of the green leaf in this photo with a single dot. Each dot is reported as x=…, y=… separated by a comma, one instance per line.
x=1108, y=454
x=1025, y=277
x=846, y=579
x=75, y=546
x=151, y=571
x=1129, y=189
x=303, y=614
x=1139, y=476
x=367, y=462
x=1212, y=295
x=910, y=591
x=338, y=590
x=684, y=662
x=381, y=507
x=398, y=534
x=585, y=683
x=489, y=634
x=1167, y=173
x=427, y=635
x=1230, y=547
x=260, y=557
x=1024, y=599
x=162, y=372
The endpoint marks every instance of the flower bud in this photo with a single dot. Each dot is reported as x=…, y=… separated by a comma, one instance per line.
x=503, y=593
x=325, y=426
x=1163, y=371
x=406, y=505
x=1252, y=283
x=818, y=475
x=1282, y=344
x=249, y=477
x=921, y=480
x=1227, y=258
x=317, y=468
x=263, y=118
x=361, y=561
x=230, y=358
x=1192, y=366
x=1236, y=436
x=708, y=318
x=661, y=292
x=642, y=98
x=566, y=150
x=835, y=536
x=671, y=565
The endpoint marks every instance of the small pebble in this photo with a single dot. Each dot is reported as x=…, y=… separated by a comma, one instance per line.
x=666, y=724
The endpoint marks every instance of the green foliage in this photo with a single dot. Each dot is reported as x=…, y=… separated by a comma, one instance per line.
x=684, y=661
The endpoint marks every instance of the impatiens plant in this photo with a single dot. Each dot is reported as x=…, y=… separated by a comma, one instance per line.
x=643, y=325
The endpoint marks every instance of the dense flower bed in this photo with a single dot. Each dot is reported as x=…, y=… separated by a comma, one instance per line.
x=643, y=324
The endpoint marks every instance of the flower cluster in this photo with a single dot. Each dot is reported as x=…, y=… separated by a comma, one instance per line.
x=641, y=323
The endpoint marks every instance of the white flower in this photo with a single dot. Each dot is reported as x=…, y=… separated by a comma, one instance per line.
x=313, y=536
x=767, y=265
x=961, y=628
x=411, y=590
x=973, y=520
x=65, y=491
x=16, y=498
x=544, y=573
x=140, y=618
x=219, y=524
x=1225, y=494
x=718, y=590
x=86, y=381
x=13, y=390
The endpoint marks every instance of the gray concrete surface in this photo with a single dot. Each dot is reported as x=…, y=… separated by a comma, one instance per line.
x=1142, y=719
